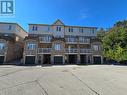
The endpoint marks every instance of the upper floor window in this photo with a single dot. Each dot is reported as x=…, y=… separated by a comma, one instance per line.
x=81, y=39
x=31, y=46
x=57, y=46
x=35, y=28
x=2, y=46
x=71, y=39
x=58, y=28
x=96, y=47
x=81, y=30
x=70, y=29
x=84, y=40
x=46, y=38
x=48, y=28
x=9, y=28
x=93, y=31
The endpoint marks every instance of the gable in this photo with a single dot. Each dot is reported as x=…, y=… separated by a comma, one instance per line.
x=58, y=22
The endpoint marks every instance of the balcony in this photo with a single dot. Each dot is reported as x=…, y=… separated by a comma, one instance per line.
x=84, y=41
x=74, y=50
x=44, y=50
x=85, y=51
x=30, y=52
x=72, y=42
x=45, y=41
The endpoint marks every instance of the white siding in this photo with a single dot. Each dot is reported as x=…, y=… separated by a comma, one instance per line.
x=43, y=29
x=4, y=28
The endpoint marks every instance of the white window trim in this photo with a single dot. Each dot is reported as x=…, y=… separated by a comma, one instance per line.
x=31, y=46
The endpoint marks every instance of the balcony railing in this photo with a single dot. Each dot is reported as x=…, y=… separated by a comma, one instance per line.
x=85, y=51
x=74, y=50
x=44, y=50
x=45, y=41
x=68, y=41
x=2, y=52
x=84, y=42
x=30, y=52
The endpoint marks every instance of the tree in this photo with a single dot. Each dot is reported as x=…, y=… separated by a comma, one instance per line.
x=101, y=33
x=114, y=42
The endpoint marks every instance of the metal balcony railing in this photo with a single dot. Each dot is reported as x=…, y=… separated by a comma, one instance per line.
x=44, y=50
x=85, y=51
x=30, y=52
x=74, y=50
x=84, y=42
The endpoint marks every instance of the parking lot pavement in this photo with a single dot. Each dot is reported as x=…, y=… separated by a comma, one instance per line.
x=63, y=80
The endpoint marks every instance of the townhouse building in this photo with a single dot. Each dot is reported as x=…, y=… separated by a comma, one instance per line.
x=11, y=42
x=58, y=43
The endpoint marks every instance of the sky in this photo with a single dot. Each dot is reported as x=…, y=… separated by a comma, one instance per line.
x=97, y=13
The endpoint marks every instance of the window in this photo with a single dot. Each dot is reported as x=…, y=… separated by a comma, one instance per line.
x=48, y=28
x=81, y=39
x=96, y=47
x=9, y=28
x=84, y=40
x=71, y=39
x=70, y=29
x=81, y=30
x=58, y=28
x=35, y=28
x=58, y=46
x=47, y=38
x=2, y=46
x=31, y=46
x=93, y=31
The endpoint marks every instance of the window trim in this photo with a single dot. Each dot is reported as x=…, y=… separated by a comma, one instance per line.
x=31, y=46
x=57, y=47
x=96, y=47
x=70, y=29
x=58, y=28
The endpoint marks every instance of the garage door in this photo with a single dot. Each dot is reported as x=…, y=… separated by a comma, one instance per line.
x=83, y=59
x=97, y=60
x=1, y=59
x=58, y=60
x=72, y=59
x=30, y=60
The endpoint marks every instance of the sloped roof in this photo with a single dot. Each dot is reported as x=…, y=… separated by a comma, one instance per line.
x=58, y=22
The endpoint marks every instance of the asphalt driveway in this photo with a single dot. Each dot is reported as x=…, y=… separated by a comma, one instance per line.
x=63, y=80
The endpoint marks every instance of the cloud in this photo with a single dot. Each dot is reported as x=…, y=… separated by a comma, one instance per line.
x=83, y=14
